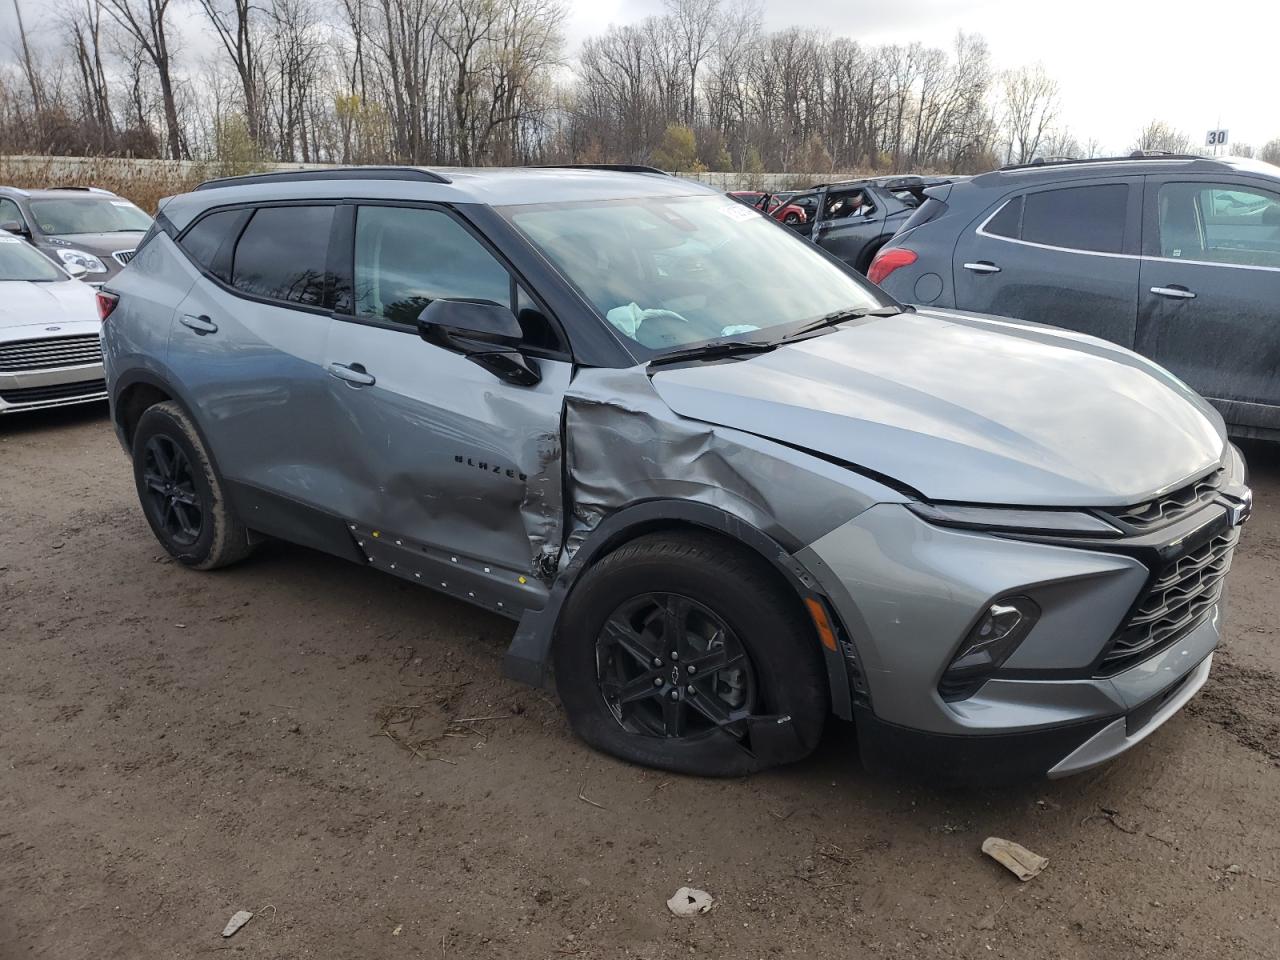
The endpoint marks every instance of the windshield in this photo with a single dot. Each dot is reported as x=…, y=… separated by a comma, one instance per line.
x=672, y=272
x=87, y=214
x=19, y=261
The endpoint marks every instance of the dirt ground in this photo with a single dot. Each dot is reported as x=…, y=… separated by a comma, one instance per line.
x=177, y=746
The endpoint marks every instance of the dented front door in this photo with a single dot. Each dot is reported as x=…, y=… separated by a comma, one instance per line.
x=451, y=475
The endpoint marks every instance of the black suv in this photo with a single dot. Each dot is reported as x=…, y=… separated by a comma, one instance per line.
x=853, y=219
x=88, y=226
x=1176, y=257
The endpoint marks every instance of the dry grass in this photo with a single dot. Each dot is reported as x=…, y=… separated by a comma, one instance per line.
x=144, y=182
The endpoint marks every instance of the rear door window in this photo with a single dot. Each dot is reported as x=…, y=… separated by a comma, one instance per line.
x=283, y=254
x=1077, y=218
x=1220, y=223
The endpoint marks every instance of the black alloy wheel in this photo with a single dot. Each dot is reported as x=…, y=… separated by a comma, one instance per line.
x=667, y=666
x=172, y=499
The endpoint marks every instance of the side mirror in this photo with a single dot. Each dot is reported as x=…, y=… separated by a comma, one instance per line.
x=14, y=226
x=76, y=270
x=484, y=332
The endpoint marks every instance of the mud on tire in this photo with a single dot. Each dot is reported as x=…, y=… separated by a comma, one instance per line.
x=181, y=494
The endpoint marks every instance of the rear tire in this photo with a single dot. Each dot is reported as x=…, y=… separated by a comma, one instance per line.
x=732, y=620
x=181, y=494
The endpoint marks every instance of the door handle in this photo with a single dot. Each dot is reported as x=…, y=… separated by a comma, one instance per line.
x=352, y=373
x=1176, y=292
x=982, y=266
x=200, y=325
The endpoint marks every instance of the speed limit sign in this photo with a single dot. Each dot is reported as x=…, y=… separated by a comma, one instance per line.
x=1216, y=138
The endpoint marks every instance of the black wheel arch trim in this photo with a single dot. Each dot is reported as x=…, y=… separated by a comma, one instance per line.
x=528, y=658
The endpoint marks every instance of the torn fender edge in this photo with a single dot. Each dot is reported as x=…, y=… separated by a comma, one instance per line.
x=528, y=658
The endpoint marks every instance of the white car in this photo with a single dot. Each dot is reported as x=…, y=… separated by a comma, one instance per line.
x=50, y=352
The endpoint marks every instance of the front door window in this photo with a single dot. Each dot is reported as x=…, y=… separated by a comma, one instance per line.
x=1219, y=223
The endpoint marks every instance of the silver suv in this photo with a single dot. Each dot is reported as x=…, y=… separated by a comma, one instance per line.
x=725, y=486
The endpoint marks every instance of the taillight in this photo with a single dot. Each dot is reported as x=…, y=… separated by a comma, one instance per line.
x=888, y=260
x=106, y=303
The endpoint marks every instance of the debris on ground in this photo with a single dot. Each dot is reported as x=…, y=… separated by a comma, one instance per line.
x=238, y=920
x=1018, y=859
x=689, y=902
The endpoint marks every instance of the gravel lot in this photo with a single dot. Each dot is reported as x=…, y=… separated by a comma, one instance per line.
x=280, y=737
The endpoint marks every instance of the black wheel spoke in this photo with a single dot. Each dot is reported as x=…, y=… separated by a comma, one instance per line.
x=182, y=512
x=642, y=688
x=620, y=633
x=675, y=620
x=673, y=716
x=161, y=452
x=714, y=709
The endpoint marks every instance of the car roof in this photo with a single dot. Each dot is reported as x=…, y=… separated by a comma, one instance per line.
x=1137, y=165
x=495, y=186
x=57, y=191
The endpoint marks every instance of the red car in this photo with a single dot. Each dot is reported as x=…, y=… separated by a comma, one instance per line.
x=776, y=205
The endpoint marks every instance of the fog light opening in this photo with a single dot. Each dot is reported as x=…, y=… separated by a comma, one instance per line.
x=989, y=644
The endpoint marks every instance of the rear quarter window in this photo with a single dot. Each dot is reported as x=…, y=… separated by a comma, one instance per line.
x=1077, y=218
x=208, y=241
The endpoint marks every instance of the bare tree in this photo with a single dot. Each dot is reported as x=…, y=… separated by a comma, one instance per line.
x=1030, y=109
x=236, y=26
x=1270, y=152
x=1158, y=137
x=144, y=21
x=695, y=31
x=33, y=79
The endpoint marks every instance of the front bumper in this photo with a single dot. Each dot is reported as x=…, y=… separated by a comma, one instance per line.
x=66, y=375
x=909, y=592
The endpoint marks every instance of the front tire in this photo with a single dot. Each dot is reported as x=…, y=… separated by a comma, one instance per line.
x=685, y=652
x=181, y=494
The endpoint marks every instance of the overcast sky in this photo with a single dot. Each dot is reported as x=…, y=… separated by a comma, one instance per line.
x=1120, y=63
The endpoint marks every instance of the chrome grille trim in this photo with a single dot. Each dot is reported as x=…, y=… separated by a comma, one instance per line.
x=50, y=353
x=123, y=257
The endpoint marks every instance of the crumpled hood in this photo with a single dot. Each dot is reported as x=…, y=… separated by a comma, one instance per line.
x=46, y=304
x=967, y=408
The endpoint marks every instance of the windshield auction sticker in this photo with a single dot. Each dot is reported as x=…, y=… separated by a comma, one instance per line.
x=736, y=211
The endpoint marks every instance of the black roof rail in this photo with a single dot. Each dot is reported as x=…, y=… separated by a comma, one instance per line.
x=615, y=167
x=1136, y=155
x=327, y=173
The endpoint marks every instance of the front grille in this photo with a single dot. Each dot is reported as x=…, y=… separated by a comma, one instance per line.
x=123, y=257
x=1172, y=506
x=58, y=391
x=50, y=353
x=1180, y=596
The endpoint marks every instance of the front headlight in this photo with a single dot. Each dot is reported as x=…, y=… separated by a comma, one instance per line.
x=90, y=263
x=1062, y=523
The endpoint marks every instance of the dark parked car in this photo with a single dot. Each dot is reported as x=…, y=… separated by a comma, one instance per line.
x=1177, y=258
x=85, y=226
x=853, y=219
